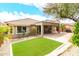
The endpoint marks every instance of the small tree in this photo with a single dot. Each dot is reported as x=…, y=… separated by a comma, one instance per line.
x=3, y=33
x=62, y=26
x=33, y=30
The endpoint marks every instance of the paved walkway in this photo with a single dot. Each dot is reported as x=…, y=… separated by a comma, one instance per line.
x=72, y=51
x=23, y=39
x=5, y=49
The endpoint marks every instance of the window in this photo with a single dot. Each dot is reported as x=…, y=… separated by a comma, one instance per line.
x=24, y=29
x=21, y=29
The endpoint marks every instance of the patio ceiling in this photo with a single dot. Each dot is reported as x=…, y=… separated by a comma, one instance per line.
x=44, y=23
x=47, y=22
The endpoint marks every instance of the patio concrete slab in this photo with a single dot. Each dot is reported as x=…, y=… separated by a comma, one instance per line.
x=64, y=38
x=5, y=49
x=66, y=44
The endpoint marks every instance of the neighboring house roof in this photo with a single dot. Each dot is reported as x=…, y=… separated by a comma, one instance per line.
x=22, y=22
x=67, y=21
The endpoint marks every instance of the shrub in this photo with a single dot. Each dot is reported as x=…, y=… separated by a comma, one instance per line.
x=3, y=33
x=75, y=39
x=76, y=28
x=62, y=27
x=33, y=30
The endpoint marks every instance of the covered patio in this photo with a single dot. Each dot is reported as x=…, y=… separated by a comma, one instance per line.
x=44, y=27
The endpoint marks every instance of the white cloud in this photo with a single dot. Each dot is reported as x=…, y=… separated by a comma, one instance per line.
x=38, y=5
x=5, y=16
x=37, y=17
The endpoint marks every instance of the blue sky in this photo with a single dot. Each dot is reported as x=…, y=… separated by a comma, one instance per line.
x=13, y=11
x=18, y=7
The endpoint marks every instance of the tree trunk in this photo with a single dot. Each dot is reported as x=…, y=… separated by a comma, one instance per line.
x=1, y=42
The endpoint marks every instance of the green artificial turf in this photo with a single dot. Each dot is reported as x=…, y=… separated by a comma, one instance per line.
x=35, y=47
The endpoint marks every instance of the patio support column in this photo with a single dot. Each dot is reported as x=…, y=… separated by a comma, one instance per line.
x=15, y=30
x=27, y=29
x=42, y=29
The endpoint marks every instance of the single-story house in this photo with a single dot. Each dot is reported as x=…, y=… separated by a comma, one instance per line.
x=32, y=27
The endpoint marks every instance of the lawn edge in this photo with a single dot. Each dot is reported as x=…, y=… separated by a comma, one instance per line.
x=11, y=51
x=60, y=49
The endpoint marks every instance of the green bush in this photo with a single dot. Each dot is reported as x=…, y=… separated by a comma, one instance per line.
x=33, y=30
x=75, y=39
x=3, y=31
x=62, y=27
x=76, y=28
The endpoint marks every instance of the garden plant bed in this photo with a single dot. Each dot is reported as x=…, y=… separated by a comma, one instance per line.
x=34, y=47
